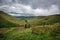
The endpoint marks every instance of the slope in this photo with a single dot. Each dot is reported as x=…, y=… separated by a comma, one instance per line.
x=52, y=19
x=8, y=20
x=45, y=20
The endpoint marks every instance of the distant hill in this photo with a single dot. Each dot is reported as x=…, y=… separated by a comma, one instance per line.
x=45, y=20
x=52, y=19
x=7, y=20
x=25, y=17
x=36, y=20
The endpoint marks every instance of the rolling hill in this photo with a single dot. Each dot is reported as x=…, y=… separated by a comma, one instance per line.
x=7, y=20
x=52, y=19
x=45, y=20
x=38, y=32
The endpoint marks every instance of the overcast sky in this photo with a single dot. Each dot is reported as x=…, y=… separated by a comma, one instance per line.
x=30, y=7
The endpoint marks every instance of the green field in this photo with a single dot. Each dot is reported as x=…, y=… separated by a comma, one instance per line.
x=36, y=28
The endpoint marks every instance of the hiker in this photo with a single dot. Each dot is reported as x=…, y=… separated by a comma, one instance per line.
x=27, y=25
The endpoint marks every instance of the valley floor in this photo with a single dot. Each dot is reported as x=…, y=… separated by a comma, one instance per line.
x=33, y=33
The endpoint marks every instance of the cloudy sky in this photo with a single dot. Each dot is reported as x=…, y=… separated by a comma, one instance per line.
x=30, y=7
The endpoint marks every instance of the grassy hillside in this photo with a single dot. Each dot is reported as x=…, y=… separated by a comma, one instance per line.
x=36, y=20
x=44, y=28
x=52, y=19
x=35, y=33
x=45, y=20
x=7, y=20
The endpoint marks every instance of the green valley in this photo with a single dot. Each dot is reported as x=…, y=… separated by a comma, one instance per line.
x=38, y=27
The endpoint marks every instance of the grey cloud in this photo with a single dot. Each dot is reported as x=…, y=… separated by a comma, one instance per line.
x=31, y=7
x=33, y=3
x=40, y=3
x=22, y=14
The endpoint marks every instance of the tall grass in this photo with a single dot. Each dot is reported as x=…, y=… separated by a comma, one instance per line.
x=38, y=33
